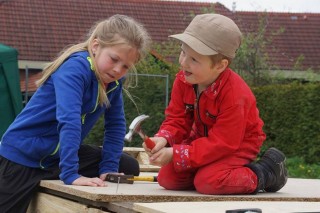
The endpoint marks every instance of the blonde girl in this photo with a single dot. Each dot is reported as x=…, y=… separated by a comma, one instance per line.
x=84, y=82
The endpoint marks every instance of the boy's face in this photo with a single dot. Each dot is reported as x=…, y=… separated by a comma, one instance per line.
x=197, y=68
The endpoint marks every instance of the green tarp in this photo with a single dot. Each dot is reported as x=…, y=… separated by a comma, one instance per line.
x=10, y=93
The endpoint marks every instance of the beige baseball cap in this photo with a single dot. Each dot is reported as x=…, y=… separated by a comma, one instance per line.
x=210, y=34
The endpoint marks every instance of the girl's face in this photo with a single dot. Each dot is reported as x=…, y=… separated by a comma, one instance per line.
x=197, y=68
x=113, y=62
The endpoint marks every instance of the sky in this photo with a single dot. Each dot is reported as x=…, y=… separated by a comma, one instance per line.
x=300, y=6
x=312, y=6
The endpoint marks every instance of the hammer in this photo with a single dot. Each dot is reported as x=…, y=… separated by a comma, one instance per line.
x=116, y=178
x=135, y=127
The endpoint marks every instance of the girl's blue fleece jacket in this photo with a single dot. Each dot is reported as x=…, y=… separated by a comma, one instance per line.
x=51, y=127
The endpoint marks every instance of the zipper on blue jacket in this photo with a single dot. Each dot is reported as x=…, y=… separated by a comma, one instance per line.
x=110, y=90
x=83, y=117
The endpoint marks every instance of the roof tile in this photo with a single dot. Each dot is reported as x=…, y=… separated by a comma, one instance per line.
x=39, y=29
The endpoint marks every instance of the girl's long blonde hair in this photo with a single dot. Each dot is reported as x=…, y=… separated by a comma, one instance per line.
x=117, y=29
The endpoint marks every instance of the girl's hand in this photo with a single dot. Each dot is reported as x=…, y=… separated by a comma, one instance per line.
x=162, y=157
x=85, y=181
x=160, y=143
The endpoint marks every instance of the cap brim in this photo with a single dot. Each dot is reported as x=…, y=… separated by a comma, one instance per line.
x=195, y=44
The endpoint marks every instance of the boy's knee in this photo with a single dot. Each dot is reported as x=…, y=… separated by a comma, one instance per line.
x=205, y=185
x=173, y=181
x=174, y=184
x=167, y=182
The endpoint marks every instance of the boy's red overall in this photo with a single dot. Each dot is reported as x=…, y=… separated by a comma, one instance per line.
x=213, y=137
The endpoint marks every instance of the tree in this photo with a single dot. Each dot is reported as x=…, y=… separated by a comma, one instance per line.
x=251, y=61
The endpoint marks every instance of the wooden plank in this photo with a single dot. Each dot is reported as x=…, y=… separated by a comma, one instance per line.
x=133, y=151
x=142, y=158
x=144, y=163
x=121, y=207
x=47, y=203
x=209, y=207
x=294, y=190
x=148, y=168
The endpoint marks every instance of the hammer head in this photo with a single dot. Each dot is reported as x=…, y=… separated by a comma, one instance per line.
x=116, y=178
x=135, y=127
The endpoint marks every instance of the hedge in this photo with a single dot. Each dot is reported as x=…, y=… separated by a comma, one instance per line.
x=292, y=118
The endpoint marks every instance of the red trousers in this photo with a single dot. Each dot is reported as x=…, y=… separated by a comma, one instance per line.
x=227, y=176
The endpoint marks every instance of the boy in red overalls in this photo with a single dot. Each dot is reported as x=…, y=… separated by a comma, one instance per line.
x=212, y=132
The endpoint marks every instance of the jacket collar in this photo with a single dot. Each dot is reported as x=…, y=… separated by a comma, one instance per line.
x=212, y=90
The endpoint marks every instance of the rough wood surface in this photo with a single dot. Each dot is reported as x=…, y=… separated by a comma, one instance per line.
x=121, y=207
x=210, y=207
x=46, y=203
x=133, y=151
x=295, y=190
x=58, y=197
x=142, y=158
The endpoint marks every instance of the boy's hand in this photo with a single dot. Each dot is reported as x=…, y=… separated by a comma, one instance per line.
x=162, y=157
x=160, y=143
x=85, y=181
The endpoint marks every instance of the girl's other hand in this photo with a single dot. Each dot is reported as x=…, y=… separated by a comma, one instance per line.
x=85, y=181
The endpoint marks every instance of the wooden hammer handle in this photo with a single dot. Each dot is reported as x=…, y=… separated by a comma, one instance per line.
x=144, y=178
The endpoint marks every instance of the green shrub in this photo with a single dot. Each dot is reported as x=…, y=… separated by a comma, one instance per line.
x=297, y=168
x=292, y=118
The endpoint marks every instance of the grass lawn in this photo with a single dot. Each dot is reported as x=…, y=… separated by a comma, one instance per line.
x=297, y=168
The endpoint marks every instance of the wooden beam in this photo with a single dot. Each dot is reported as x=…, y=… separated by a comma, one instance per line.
x=47, y=203
x=142, y=158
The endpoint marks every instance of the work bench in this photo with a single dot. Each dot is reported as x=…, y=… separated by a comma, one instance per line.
x=298, y=195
